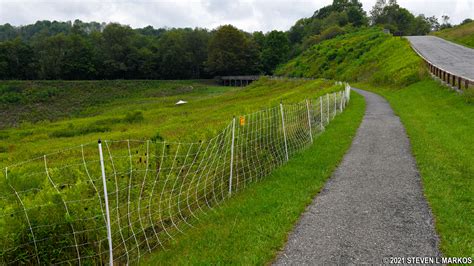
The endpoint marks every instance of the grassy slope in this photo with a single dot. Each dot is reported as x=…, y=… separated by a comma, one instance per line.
x=365, y=56
x=438, y=121
x=251, y=227
x=34, y=101
x=463, y=34
x=208, y=105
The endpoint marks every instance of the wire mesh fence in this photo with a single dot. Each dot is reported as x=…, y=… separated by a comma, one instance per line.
x=119, y=200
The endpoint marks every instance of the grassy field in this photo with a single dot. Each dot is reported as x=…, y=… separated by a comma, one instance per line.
x=463, y=34
x=145, y=112
x=439, y=123
x=253, y=226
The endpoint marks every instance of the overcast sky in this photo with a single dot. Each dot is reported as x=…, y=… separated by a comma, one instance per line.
x=249, y=15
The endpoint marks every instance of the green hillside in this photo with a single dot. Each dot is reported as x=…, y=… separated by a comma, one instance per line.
x=366, y=56
x=462, y=34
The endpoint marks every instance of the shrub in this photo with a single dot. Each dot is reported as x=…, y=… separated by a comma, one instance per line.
x=134, y=117
x=331, y=32
x=157, y=137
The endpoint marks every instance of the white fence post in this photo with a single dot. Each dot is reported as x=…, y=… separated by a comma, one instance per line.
x=327, y=97
x=107, y=213
x=6, y=172
x=348, y=92
x=309, y=121
x=341, y=93
x=232, y=157
x=321, y=111
x=284, y=130
x=335, y=104
x=343, y=103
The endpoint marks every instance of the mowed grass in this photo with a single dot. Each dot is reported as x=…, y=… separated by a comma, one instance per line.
x=463, y=34
x=148, y=113
x=253, y=225
x=440, y=125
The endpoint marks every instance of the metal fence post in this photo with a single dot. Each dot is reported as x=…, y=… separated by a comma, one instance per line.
x=309, y=121
x=107, y=213
x=232, y=156
x=284, y=129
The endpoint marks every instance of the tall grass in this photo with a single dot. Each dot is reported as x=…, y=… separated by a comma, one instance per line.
x=365, y=56
x=462, y=34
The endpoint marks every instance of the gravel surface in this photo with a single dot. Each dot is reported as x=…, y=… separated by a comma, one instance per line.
x=452, y=57
x=372, y=207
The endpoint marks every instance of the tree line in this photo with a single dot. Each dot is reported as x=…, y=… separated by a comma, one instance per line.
x=92, y=50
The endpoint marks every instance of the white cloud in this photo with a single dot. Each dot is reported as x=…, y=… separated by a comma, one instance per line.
x=250, y=15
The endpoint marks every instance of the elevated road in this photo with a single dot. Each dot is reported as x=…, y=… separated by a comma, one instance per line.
x=453, y=63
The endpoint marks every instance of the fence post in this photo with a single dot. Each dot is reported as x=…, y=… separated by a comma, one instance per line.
x=335, y=104
x=321, y=108
x=342, y=100
x=309, y=121
x=327, y=97
x=6, y=172
x=107, y=213
x=232, y=157
x=284, y=130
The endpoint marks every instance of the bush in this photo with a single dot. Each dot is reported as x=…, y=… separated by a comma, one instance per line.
x=157, y=137
x=11, y=98
x=331, y=32
x=134, y=117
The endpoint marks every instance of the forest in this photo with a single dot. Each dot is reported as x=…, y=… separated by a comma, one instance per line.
x=78, y=50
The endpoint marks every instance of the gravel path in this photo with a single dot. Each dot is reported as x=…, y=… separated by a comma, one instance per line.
x=373, y=205
x=452, y=57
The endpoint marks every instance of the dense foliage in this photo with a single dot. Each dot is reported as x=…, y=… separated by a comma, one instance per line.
x=81, y=51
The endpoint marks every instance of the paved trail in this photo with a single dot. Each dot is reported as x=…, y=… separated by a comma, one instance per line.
x=373, y=205
x=452, y=57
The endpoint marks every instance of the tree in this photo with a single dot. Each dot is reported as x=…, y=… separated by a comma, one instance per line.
x=466, y=21
x=232, y=53
x=116, y=45
x=392, y=16
x=275, y=50
x=377, y=11
x=174, y=59
x=446, y=23
x=421, y=25
x=16, y=60
x=196, y=43
x=434, y=24
x=357, y=16
x=78, y=59
x=50, y=53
